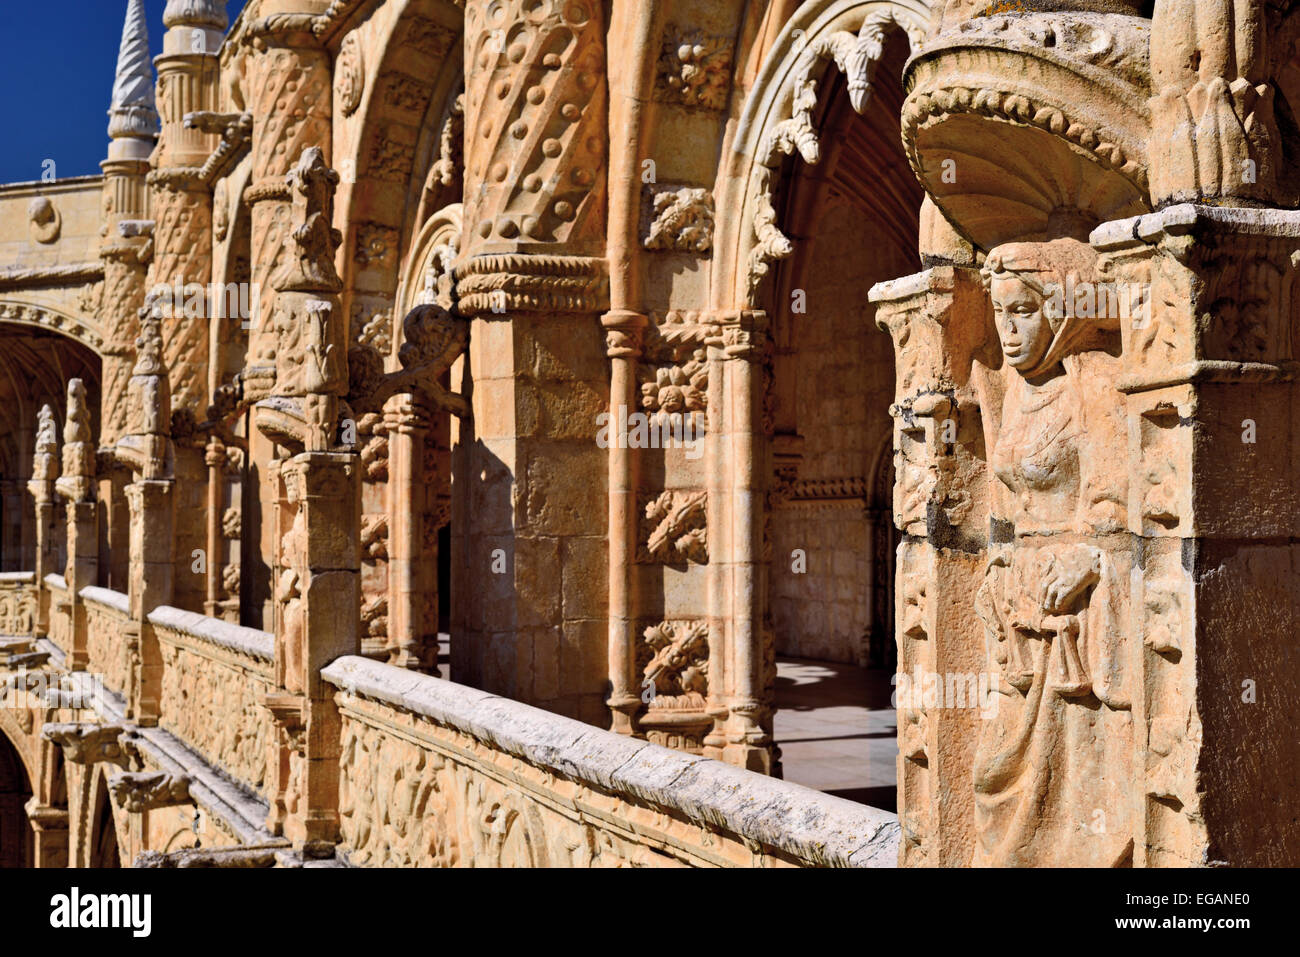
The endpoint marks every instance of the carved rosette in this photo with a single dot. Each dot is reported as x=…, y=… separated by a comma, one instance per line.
x=694, y=70
x=681, y=219
x=674, y=528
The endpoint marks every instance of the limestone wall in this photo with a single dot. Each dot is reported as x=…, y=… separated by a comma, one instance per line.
x=437, y=774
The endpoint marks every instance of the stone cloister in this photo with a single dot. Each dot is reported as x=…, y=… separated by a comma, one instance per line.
x=422, y=440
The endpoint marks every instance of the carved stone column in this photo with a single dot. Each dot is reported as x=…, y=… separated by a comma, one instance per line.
x=319, y=597
x=76, y=486
x=412, y=555
x=291, y=80
x=291, y=85
x=533, y=280
x=146, y=449
x=214, y=456
x=317, y=514
x=623, y=344
x=938, y=321
x=45, y=471
x=50, y=827
x=736, y=550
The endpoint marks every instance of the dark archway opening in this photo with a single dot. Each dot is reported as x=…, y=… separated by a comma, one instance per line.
x=16, y=837
x=35, y=366
x=103, y=846
x=854, y=221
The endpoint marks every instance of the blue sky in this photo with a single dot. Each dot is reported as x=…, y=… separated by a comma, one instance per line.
x=56, y=68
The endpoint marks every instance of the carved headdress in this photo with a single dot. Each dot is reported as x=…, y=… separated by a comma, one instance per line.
x=1063, y=272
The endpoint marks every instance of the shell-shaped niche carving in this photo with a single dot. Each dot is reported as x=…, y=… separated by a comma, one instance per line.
x=1032, y=127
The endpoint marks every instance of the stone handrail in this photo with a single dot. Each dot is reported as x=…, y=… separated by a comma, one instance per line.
x=545, y=790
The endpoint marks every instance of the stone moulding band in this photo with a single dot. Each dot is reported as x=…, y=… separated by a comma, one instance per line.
x=520, y=282
x=92, y=271
x=808, y=825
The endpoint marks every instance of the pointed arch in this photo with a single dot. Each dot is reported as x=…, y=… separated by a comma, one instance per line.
x=779, y=121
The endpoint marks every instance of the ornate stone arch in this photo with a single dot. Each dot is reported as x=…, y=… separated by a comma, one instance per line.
x=22, y=740
x=427, y=274
x=30, y=314
x=778, y=121
x=397, y=83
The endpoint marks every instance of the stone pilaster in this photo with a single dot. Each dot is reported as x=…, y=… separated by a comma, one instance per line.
x=533, y=281
x=147, y=450
x=76, y=487
x=318, y=601
x=938, y=321
x=41, y=487
x=151, y=576
x=1212, y=403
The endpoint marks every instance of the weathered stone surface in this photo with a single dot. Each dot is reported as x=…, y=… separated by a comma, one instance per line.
x=594, y=354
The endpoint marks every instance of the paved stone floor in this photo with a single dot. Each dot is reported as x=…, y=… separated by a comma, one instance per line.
x=836, y=729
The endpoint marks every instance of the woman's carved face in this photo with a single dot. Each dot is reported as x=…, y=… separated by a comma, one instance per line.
x=1018, y=310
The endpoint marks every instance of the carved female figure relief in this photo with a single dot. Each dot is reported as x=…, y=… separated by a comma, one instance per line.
x=1053, y=765
x=290, y=594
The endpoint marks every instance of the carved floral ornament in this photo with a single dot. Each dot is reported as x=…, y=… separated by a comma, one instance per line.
x=349, y=75
x=778, y=116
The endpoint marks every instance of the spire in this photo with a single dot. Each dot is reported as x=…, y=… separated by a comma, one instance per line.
x=133, y=113
x=196, y=13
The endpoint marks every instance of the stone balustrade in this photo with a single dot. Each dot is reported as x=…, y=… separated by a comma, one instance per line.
x=214, y=674
x=60, y=612
x=107, y=613
x=436, y=774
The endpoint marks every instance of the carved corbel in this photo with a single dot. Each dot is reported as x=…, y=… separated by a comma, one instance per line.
x=138, y=791
x=433, y=340
x=85, y=742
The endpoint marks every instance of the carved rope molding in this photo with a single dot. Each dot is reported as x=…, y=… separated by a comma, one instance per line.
x=692, y=808
x=778, y=116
